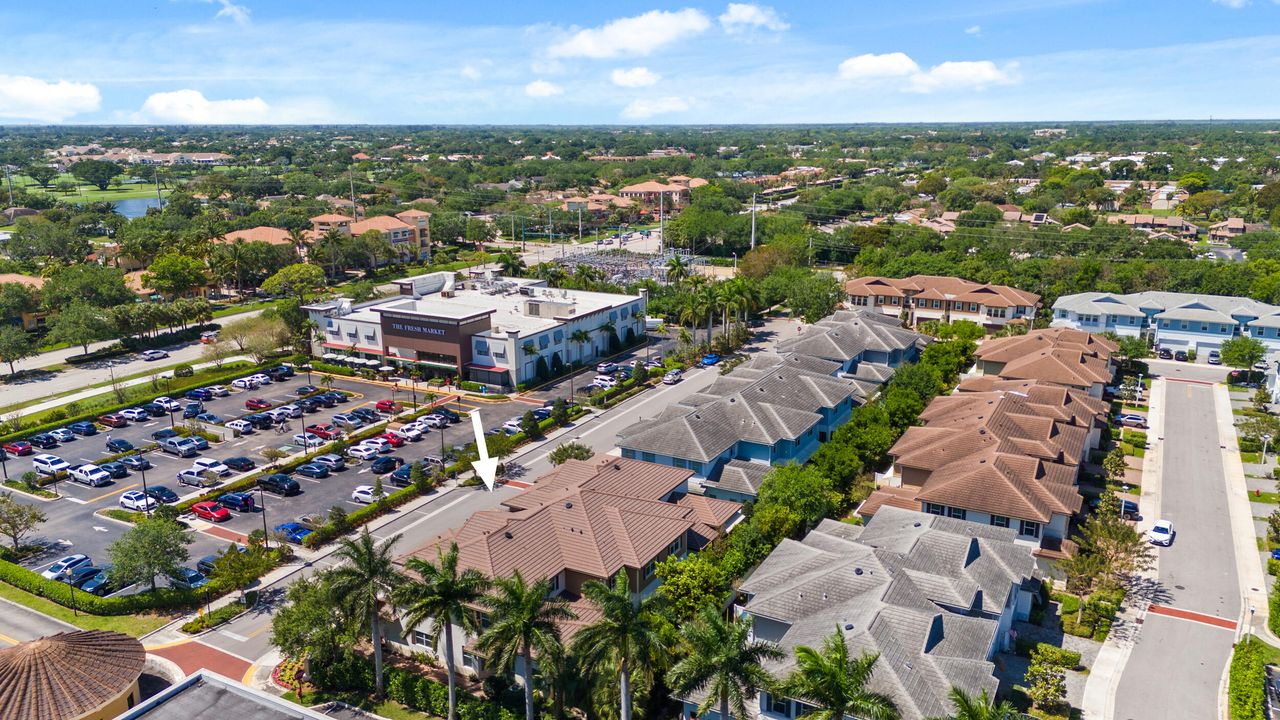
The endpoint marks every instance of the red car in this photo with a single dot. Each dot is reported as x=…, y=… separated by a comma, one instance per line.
x=393, y=438
x=211, y=511
x=114, y=420
x=387, y=406
x=257, y=404
x=328, y=432
x=18, y=447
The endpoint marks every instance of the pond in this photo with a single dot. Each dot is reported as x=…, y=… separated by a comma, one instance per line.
x=135, y=207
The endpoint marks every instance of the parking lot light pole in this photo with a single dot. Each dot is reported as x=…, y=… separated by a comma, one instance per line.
x=143, y=469
x=262, y=504
x=4, y=464
x=172, y=425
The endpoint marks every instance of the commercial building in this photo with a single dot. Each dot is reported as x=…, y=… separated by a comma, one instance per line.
x=934, y=297
x=82, y=675
x=493, y=330
x=1177, y=321
x=206, y=695
x=934, y=597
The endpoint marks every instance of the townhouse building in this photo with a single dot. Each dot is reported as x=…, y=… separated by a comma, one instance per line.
x=1177, y=321
x=1062, y=356
x=933, y=297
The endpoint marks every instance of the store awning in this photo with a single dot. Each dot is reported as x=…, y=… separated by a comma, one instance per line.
x=330, y=356
x=386, y=368
x=371, y=362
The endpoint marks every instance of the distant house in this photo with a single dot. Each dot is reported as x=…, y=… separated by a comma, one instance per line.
x=322, y=224
x=27, y=320
x=262, y=233
x=934, y=297
x=675, y=191
x=1152, y=224
x=1232, y=228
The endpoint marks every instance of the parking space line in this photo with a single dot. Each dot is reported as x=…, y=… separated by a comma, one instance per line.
x=114, y=492
x=78, y=501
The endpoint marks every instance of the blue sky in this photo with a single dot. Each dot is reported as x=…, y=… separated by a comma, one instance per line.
x=388, y=61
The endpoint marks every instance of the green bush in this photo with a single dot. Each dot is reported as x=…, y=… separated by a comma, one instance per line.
x=60, y=592
x=1062, y=657
x=213, y=619
x=1273, y=604
x=1273, y=566
x=326, y=368
x=1247, y=681
x=183, y=371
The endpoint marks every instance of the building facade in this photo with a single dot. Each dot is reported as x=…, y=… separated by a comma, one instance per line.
x=1177, y=321
x=947, y=299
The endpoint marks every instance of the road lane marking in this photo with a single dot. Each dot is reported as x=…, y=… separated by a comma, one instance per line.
x=1192, y=616
x=114, y=492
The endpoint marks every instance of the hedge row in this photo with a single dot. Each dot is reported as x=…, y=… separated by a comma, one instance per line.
x=1246, y=689
x=240, y=370
x=61, y=593
x=1273, y=602
x=212, y=619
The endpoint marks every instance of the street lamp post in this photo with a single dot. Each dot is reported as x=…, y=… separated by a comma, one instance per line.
x=142, y=468
x=4, y=464
x=172, y=425
x=307, y=367
x=262, y=505
x=1266, y=440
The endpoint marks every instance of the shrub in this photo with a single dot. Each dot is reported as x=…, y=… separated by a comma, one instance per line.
x=1062, y=657
x=1273, y=604
x=1247, y=681
x=60, y=592
x=183, y=371
x=212, y=619
x=1273, y=566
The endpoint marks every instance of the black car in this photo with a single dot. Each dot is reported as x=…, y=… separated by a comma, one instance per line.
x=1180, y=356
x=309, y=405
x=44, y=441
x=155, y=409
x=100, y=582
x=238, y=501
x=385, y=464
x=192, y=410
x=199, y=394
x=339, y=397
x=162, y=494
x=541, y=413
x=239, y=464
x=279, y=372
x=1165, y=354
x=307, y=390
x=260, y=421
x=312, y=470
x=116, y=470
x=135, y=462
x=119, y=445
x=280, y=484
x=450, y=415
x=164, y=434
x=324, y=399
x=207, y=564
x=367, y=415
x=80, y=576
x=83, y=428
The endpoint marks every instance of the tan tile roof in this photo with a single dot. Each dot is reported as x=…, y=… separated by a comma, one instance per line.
x=1003, y=484
x=942, y=287
x=29, y=280
x=900, y=497
x=1006, y=349
x=1059, y=365
x=262, y=233
x=652, y=186
x=381, y=223
x=67, y=675
x=413, y=213
x=331, y=218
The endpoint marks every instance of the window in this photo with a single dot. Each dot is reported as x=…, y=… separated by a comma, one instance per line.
x=421, y=638
x=935, y=509
x=1184, y=325
x=999, y=521
x=553, y=583
x=973, y=307
x=1204, y=327
x=857, y=300
x=957, y=513
x=696, y=467
x=674, y=547
x=472, y=661
x=543, y=341
x=682, y=463
x=803, y=709
x=482, y=347
x=628, y=453
x=649, y=568
x=895, y=300
x=778, y=705
x=1029, y=528
x=647, y=456
x=558, y=335
x=937, y=303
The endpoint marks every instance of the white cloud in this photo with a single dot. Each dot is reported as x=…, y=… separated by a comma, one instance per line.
x=542, y=88
x=1234, y=4
x=639, y=35
x=950, y=75
x=470, y=72
x=740, y=17
x=973, y=30
x=634, y=77
x=878, y=67
x=648, y=107
x=239, y=14
x=28, y=98
x=191, y=106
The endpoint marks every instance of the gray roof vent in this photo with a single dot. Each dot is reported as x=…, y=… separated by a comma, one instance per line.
x=857, y=571
x=568, y=505
x=915, y=525
x=848, y=626
x=508, y=535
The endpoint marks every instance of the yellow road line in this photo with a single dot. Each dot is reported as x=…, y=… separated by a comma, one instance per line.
x=113, y=492
x=6, y=639
x=248, y=674
x=162, y=646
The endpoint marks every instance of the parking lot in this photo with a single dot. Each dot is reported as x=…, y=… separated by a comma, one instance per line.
x=73, y=526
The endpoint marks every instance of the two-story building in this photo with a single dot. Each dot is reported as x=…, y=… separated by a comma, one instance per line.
x=1062, y=356
x=854, y=337
x=934, y=597
x=947, y=299
x=596, y=519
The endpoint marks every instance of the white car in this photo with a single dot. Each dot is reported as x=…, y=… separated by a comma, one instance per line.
x=512, y=426
x=90, y=475
x=409, y=432
x=439, y=422
x=211, y=465
x=378, y=444
x=262, y=379
x=308, y=440
x=244, y=427
x=63, y=434
x=364, y=452
x=218, y=390
x=138, y=501
x=606, y=367
x=363, y=494
x=1161, y=533
x=244, y=383
x=168, y=403
x=49, y=464
x=292, y=410
x=135, y=414
x=65, y=565
x=154, y=355
x=605, y=381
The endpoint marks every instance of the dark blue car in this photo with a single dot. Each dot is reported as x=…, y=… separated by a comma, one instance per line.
x=293, y=532
x=240, y=502
x=83, y=428
x=199, y=394
x=116, y=470
x=119, y=445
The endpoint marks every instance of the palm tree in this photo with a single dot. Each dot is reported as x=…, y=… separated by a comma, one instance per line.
x=300, y=242
x=580, y=337
x=608, y=329
x=628, y=636
x=524, y=620
x=368, y=571
x=333, y=245
x=511, y=264
x=836, y=683
x=982, y=707
x=723, y=661
x=442, y=595
x=677, y=270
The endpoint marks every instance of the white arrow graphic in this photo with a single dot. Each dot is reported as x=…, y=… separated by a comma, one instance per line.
x=485, y=467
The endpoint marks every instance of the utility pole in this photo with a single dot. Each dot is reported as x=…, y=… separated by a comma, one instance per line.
x=753, y=221
x=662, y=226
x=579, y=224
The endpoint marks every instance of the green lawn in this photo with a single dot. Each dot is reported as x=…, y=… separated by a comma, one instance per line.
x=88, y=193
x=135, y=625
x=134, y=391
x=1250, y=457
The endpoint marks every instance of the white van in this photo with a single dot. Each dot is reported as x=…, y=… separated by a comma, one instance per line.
x=49, y=464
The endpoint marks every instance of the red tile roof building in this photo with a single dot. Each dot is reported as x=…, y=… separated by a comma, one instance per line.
x=935, y=297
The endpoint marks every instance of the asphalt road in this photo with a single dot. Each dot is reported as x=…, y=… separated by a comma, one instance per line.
x=1176, y=665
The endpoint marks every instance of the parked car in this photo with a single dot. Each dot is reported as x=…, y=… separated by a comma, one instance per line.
x=326, y=399
x=306, y=390
x=1214, y=358
x=394, y=439
x=211, y=465
x=387, y=406
x=180, y=446
x=18, y=448
x=309, y=405
x=201, y=443
x=1164, y=354
x=164, y=434
x=315, y=471
x=244, y=427
x=239, y=463
x=65, y=565
x=290, y=410
x=218, y=390
x=436, y=421
x=83, y=428
x=137, y=501
x=81, y=575
x=324, y=431
x=280, y=372
x=362, y=451
x=188, y=578
x=379, y=443
x=44, y=441
x=238, y=501
x=211, y=511
x=1161, y=533
x=512, y=426
x=1261, y=366
x=449, y=415
x=605, y=381
x=100, y=582
x=114, y=420
x=339, y=397
x=63, y=435
x=90, y=475
x=135, y=414
x=150, y=355
x=1132, y=420
x=1180, y=356
x=347, y=421
x=280, y=484
x=308, y=440
x=200, y=394
x=209, y=563
x=672, y=377
x=368, y=416
x=135, y=462
x=119, y=445
x=192, y=410
x=260, y=421
x=47, y=464
x=386, y=464
x=168, y=403
x=293, y=532
x=245, y=383
x=261, y=378
x=162, y=494
x=333, y=461
x=117, y=470
x=155, y=409
x=209, y=418
x=710, y=359
x=195, y=478
x=256, y=404
x=412, y=432
x=363, y=494
x=606, y=367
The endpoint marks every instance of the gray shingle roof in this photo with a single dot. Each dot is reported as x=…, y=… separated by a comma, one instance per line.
x=846, y=334
x=740, y=476
x=1170, y=305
